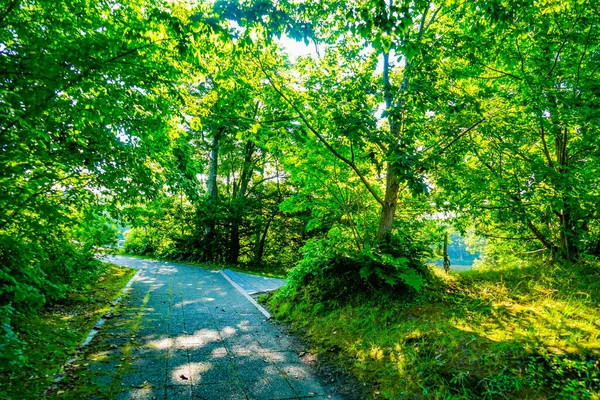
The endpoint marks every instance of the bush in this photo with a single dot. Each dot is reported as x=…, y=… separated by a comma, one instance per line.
x=11, y=347
x=40, y=267
x=137, y=241
x=569, y=378
x=336, y=274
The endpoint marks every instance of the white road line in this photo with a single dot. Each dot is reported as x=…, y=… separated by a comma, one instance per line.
x=246, y=295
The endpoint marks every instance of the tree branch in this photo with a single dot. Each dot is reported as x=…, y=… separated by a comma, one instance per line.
x=43, y=190
x=587, y=43
x=501, y=72
x=320, y=136
x=540, y=236
x=70, y=83
x=460, y=135
x=507, y=238
x=562, y=45
x=546, y=152
x=520, y=56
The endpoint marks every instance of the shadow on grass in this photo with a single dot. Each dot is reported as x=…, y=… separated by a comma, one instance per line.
x=531, y=332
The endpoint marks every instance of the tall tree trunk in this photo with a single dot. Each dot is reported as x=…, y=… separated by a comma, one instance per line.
x=388, y=208
x=234, y=243
x=446, y=257
x=210, y=227
x=567, y=239
x=261, y=237
x=213, y=170
x=568, y=236
x=240, y=193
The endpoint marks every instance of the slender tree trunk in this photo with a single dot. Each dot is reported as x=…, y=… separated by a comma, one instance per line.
x=234, y=244
x=388, y=208
x=262, y=238
x=567, y=234
x=446, y=258
x=395, y=115
x=210, y=227
x=240, y=193
x=212, y=172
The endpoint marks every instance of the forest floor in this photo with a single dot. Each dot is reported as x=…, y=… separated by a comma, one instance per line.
x=519, y=331
x=186, y=332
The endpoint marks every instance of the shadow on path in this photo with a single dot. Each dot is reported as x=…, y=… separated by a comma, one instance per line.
x=185, y=333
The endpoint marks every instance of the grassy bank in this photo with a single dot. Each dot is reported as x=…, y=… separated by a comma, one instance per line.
x=521, y=331
x=53, y=334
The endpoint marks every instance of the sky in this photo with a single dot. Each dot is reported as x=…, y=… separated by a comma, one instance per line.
x=296, y=49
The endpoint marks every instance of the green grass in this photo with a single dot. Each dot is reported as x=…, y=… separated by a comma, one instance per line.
x=522, y=331
x=259, y=270
x=53, y=334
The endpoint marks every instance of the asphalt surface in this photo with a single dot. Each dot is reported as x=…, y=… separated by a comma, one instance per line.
x=253, y=284
x=186, y=333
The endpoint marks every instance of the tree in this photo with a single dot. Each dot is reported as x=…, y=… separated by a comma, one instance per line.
x=531, y=171
x=88, y=93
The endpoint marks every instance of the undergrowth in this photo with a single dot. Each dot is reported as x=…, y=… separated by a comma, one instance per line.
x=52, y=334
x=524, y=331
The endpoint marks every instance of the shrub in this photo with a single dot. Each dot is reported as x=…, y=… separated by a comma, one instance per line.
x=336, y=273
x=138, y=241
x=40, y=269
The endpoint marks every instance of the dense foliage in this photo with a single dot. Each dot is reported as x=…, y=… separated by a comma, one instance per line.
x=188, y=123
x=88, y=93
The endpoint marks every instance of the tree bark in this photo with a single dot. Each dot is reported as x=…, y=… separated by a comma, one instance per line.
x=261, y=238
x=388, y=209
x=210, y=225
x=446, y=258
x=240, y=193
x=212, y=172
x=390, y=200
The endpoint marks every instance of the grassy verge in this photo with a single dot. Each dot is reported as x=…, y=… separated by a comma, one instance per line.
x=522, y=331
x=53, y=334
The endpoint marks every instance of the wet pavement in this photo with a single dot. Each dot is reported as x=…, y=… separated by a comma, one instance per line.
x=186, y=333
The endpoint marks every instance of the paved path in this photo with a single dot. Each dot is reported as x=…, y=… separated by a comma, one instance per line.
x=253, y=284
x=185, y=333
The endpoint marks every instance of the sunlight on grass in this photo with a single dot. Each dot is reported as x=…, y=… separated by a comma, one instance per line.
x=521, y=331
x=55, y=333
